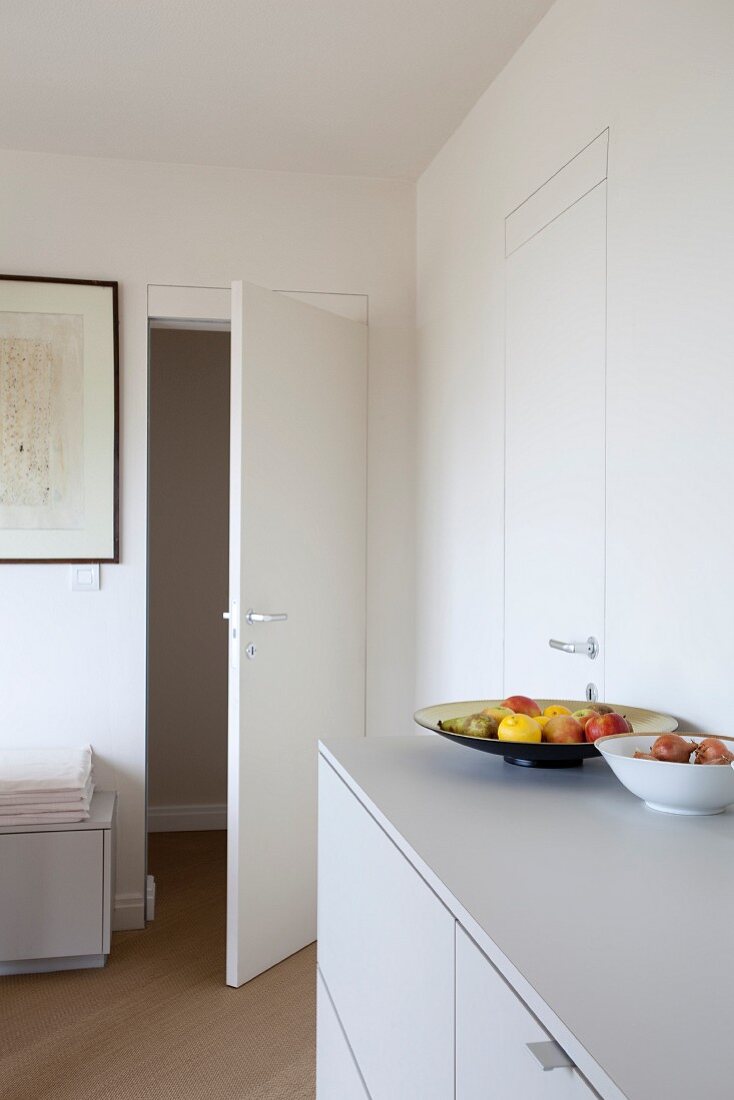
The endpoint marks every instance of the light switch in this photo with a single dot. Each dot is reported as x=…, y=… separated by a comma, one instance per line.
x=85, y=577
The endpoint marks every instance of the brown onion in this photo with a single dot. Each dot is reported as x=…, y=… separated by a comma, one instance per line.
x=712, y=751
x=673, y=748
x=643, y=755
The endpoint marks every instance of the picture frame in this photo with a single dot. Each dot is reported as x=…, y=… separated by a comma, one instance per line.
x=59, y=420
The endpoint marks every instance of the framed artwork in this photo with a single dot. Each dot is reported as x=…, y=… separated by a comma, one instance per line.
x=59, y=420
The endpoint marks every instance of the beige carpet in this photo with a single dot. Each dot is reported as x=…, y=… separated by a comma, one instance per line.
x=158, y=1022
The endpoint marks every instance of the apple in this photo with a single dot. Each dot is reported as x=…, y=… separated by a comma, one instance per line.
x=605, y=725
x=602, y=708
x=521, y=704
x=585, y=715
x=563, y=729
x=519, y=727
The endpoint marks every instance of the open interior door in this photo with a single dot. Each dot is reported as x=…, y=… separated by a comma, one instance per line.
x=297, y=549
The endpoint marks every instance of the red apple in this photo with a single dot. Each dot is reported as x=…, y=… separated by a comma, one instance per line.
x=604, y=725
x=564, y=729
x=521, y=704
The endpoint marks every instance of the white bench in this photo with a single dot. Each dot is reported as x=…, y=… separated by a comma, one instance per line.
x=56, y=890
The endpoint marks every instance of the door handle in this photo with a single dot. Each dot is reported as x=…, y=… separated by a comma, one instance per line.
x=550, y=1055
x=590, y=648
x=262, y=617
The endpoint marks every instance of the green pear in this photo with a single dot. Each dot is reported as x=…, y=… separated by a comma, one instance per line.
x=455, y=725
x=482, y=725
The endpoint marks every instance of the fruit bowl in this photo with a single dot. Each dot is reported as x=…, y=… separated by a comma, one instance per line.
x=537, y=754
x=692, y=789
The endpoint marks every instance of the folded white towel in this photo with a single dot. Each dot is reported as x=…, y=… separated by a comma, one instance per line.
x=70, y=798
x=43, y=819
x=44, y=770
x=42, y=808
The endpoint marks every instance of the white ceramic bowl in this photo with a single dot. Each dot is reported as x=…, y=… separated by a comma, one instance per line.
x=671, y=788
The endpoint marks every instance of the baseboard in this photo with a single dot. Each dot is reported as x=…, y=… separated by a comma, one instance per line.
x=46, y=966
x=185, y=819
x=128, y=912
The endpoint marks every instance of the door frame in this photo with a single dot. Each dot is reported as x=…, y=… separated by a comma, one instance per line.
x=208, y=308
x=178, y=307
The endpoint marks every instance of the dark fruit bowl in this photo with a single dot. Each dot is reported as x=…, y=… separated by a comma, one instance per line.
x=537, y=754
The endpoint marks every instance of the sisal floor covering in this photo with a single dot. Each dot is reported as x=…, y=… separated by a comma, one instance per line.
x=158, y=1022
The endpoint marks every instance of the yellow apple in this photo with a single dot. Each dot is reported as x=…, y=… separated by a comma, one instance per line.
x=556, y=709
x=542, y=720
x=519, y=727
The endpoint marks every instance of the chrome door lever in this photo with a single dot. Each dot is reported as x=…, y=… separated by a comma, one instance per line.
x=590, y=648
x=261, y=617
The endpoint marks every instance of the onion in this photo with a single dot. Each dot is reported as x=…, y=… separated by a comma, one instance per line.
x=712, y=751
x=673, y=748
x=643, y=755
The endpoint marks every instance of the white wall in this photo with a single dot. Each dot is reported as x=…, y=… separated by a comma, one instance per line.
x=659, y=74
x=73, y=665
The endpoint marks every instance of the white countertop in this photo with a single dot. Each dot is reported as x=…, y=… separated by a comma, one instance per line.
x=619, y=919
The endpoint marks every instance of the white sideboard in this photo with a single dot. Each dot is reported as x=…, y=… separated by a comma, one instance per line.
x=414, y=998
x=463, y=956
x=386, y=952
x=339, y=1077
x=57, y=888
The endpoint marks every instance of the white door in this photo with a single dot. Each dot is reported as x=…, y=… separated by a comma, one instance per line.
x=555, y=433
x=297, y=548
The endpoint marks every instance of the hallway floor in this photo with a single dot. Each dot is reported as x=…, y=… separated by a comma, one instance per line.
x=158, y=1022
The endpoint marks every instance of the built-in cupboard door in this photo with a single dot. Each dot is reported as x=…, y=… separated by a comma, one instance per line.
x=555, y=432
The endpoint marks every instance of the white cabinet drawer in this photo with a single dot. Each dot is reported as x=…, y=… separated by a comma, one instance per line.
x=338, y=1076
x=493, y=1027
x=386, y=951
x=52, y=894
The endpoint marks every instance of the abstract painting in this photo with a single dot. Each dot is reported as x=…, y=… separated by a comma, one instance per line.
x=42, y=426
x=58, y=421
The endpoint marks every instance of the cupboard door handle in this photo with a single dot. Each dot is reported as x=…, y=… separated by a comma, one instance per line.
x=550, y=1055
x=590, y=648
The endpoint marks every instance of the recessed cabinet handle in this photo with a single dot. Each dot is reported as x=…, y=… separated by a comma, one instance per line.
x=550, y=1055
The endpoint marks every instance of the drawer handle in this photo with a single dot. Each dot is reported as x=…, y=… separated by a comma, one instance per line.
x=550, y=1055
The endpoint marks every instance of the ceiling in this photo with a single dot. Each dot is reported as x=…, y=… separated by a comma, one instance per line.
x=346, y=87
